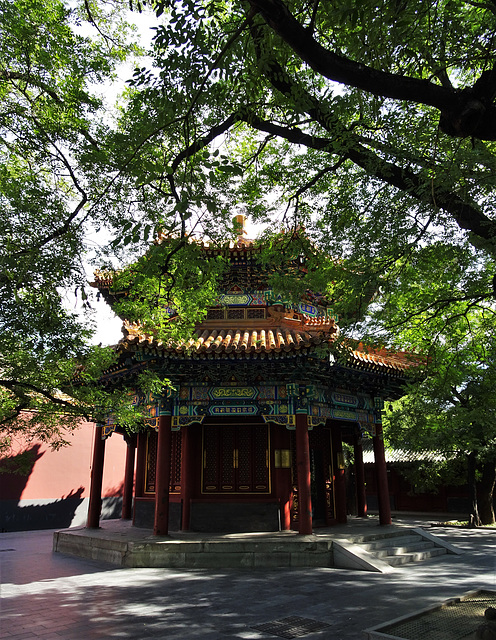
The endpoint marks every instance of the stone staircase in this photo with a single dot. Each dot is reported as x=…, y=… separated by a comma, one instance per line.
x=402, y=548
x=386, y=550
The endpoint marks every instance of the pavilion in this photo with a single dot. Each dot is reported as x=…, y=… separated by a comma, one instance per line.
x=249, y=436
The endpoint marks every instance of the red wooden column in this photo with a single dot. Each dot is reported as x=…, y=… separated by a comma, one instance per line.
x=187, y=475
x=96, y=481
x=127, y=495
x=360, y=478
x=162, y=481
x=281, y=475
x=381, y=477
x=303, y=466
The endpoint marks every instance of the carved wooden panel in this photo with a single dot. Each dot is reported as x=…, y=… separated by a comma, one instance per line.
x=151, y=461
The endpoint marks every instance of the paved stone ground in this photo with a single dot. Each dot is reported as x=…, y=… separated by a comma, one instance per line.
x=55, y=597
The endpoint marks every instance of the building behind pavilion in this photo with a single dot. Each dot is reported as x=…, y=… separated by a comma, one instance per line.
x=249, y=437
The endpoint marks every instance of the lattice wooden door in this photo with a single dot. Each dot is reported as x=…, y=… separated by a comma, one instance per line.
x=235, y=459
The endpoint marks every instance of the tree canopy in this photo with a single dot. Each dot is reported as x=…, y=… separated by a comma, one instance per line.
x=451, y=410
x=370, y=124
x=50, y=115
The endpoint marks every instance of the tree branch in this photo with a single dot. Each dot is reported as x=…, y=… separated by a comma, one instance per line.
x=347, y=144
x=438, y=305
x=60, y=231
x=343, y=70
x=464, y=112
x=5, y=74
x=467, y=216
x=12, y=385
x=201, y=143
x=312, y=182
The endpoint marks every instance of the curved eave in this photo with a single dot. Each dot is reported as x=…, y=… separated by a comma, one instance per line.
x=384, y=364
x=232, y=343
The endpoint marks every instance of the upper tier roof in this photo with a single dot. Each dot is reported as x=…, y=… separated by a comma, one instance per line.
x=247, y=324
x=272, y=335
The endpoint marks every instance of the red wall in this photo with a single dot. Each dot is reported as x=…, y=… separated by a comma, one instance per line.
x=57, y=474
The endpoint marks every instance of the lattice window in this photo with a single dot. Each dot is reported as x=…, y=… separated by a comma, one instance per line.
x=215, y=314
x=151, y=461
x=244, y=458
x=175, y=480
x=253, y=314
x=261, y=457
x=235, y=459
x=235, y=314
x=210, y=458
x=228, y=459
x=322, y=482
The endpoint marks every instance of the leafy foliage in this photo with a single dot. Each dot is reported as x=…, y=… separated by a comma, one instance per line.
x=452, y=410
x=50, y=118
x=169, y=288
x=370, y=125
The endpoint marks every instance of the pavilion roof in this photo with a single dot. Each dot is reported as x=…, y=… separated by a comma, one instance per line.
x=281, y=333
x=244, y=272
x=236, y=341
x=287, y=338
x=368, y=357
x=405, y=455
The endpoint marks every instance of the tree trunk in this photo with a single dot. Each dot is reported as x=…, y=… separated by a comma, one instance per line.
x=473, y=518
x=485, y=493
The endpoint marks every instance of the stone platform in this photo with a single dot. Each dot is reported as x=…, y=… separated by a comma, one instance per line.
x=119, y=543
x=129, y=547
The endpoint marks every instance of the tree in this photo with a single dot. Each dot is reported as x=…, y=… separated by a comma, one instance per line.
x=370, y=124
x=50, y=116
x=452, y=409
x=400, y=152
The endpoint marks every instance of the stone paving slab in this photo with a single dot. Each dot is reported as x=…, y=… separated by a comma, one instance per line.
x=456, y=619
x=58, y=597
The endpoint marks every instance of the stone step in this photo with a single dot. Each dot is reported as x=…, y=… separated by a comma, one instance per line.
x=382, y=536
x=417, y=556
x=400, y=550
x=392, y=541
